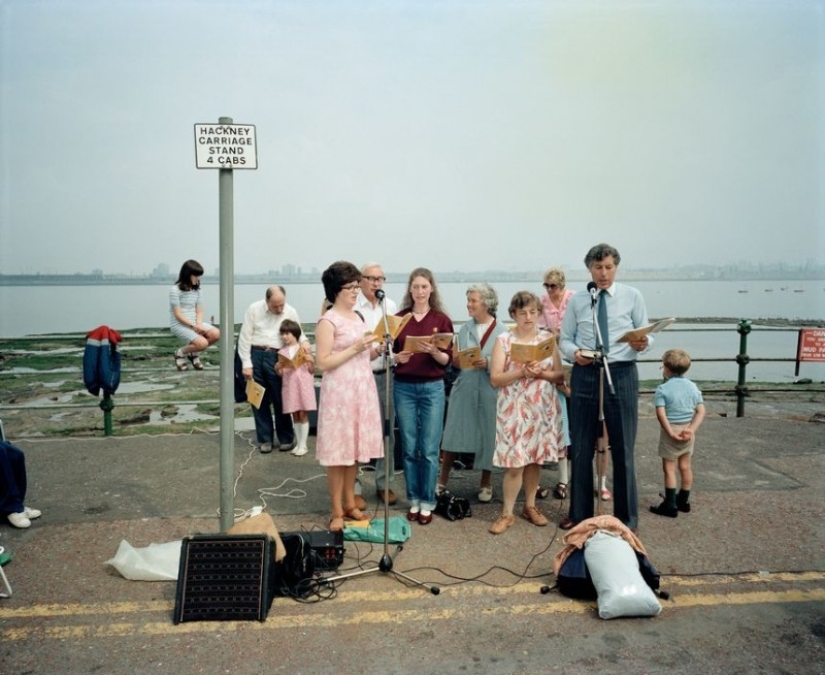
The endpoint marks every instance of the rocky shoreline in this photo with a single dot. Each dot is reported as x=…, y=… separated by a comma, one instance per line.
x=42, y=393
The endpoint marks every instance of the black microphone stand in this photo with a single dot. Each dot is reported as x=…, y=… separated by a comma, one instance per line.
x=601, y=361
x=386, y=563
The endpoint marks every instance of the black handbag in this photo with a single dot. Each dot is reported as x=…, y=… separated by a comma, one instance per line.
x=451, y=507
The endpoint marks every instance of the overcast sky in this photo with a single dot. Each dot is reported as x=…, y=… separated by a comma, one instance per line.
x=464, y=135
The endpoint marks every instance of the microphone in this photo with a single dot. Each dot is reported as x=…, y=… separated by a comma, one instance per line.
x=380, y=294
x=592, y=288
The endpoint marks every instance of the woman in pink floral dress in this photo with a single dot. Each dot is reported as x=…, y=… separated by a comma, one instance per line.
x=528, y=417
x=349, y=417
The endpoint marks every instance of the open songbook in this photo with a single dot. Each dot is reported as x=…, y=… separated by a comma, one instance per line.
x=395, y=323
x=639, y=333
x=441, y=340
x=522, y=353
x=467, y=357
x=296, y=361
x=254, y=393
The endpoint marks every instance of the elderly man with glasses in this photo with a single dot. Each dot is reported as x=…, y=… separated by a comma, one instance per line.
x=368, y=304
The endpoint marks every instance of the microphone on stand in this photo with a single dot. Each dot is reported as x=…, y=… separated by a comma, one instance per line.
x=379, y=294
x=592, y=288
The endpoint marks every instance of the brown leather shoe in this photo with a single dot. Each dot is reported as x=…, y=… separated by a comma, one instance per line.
x=360, y=503
x=391, y=498
x=567, y=524
x=425, y=519
x=535, y=516
x=501, y=524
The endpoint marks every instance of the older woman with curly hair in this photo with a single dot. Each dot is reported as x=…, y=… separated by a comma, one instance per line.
x=471, y=414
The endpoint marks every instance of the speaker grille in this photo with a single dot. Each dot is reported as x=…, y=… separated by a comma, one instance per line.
x=224, y=578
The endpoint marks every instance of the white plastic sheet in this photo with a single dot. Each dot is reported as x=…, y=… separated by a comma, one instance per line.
x=156, y=562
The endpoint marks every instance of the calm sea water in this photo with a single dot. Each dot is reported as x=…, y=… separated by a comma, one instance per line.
x=27, y=310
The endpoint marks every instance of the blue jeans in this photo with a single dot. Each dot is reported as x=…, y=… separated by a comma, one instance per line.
x=419, y=408
x=12, y=479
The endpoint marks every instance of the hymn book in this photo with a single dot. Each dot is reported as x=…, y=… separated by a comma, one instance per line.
x=639, y=333
x=467, y=357
x=522, y=353
x=396, y=325
x=295, y=362
x=413, y=343
x=254, y=393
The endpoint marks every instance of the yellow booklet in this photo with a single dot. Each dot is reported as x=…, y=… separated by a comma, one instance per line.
x=254, y=393
x=396, y=325
x=467, y=357
x=522, y=353
x=639, y=333
x=441, y=340
x=296, y=361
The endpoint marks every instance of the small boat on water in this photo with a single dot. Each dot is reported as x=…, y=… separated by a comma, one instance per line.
x=743, y=291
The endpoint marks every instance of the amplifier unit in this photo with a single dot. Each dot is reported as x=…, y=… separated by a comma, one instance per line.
x=327, y=547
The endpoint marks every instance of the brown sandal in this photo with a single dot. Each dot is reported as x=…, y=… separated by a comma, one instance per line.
x=180, y=360
x=355, y=514
x=560, y=491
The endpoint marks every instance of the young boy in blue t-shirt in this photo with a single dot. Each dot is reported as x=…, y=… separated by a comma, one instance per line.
x=680, y=410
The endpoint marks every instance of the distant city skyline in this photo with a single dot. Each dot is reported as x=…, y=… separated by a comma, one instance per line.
x=163, y=273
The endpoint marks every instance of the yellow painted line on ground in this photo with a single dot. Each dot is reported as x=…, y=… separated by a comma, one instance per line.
x=347, y=594
x=401, y=593
x=276, y=621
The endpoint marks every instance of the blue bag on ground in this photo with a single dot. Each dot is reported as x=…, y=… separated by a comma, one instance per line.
x=399, y=531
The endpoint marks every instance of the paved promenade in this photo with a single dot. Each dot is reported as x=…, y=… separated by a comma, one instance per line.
x=745, y=569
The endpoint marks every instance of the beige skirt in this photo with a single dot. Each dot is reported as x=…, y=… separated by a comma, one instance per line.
x=670, y=449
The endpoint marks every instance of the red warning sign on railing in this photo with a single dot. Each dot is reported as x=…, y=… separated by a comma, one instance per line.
x=810, y=346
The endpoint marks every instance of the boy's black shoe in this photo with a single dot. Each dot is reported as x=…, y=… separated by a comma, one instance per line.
x=665, y=509
x=684, y=507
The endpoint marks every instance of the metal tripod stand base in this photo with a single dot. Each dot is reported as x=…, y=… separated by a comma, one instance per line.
x=385, y=565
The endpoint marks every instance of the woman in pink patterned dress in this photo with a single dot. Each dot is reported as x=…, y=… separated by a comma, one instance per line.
x=528, y=417
x=349, y=417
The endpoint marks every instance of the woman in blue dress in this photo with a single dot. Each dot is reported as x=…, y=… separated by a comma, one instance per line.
x=471, y=413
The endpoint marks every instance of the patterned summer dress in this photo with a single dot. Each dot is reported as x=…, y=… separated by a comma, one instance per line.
x=528, y=417
x=297, y=385
x=349, y=417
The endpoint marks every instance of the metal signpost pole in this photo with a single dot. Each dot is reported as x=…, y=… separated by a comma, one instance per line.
x=227, y=322
x=226, y=146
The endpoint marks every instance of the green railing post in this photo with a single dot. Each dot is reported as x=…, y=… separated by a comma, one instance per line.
x=107, y=405
x=742, y=358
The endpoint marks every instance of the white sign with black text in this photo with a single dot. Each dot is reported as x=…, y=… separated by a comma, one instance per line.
x=225, y=146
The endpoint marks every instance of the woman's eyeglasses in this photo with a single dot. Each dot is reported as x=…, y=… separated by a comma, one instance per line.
x=351, y=287
x=550, y=286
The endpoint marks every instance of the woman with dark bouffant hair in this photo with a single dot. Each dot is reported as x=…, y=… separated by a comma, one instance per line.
x=349, y=417
x=186, y=316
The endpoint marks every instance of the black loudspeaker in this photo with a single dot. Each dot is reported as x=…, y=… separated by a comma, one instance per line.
x=225, y=578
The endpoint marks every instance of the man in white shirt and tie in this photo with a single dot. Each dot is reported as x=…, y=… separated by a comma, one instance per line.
x=258, y=343
x=625, y=310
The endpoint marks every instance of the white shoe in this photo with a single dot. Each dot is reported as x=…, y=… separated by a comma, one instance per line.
x=19, y=520
x=266, y=448
x=485, y=495
x=31, y=514
x=299, y=452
